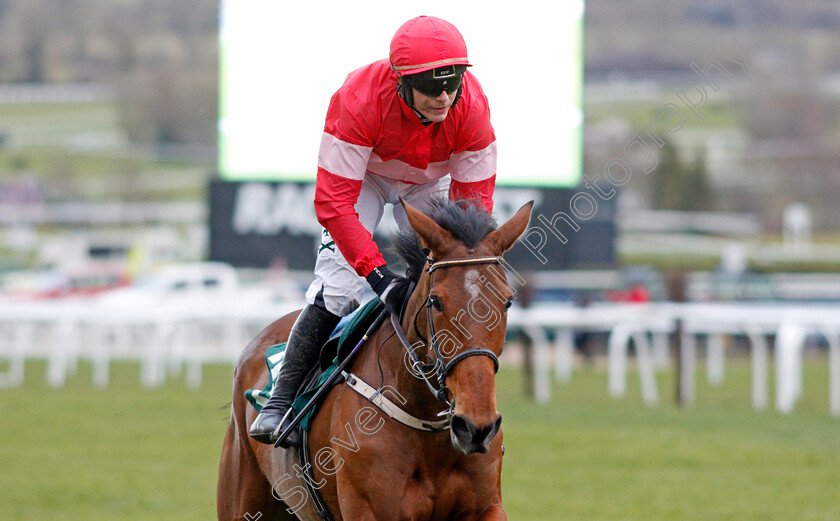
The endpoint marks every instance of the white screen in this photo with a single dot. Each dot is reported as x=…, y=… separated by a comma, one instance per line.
x=282, y=61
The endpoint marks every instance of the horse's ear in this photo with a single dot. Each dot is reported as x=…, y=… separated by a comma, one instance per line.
x=431, y=235
x=503, y=238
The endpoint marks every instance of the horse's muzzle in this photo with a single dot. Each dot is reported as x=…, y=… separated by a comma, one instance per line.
x=468, y=438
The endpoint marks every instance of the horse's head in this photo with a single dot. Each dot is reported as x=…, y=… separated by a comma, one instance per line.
x=465, y=294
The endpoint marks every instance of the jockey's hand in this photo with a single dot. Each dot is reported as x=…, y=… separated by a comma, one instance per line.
x=391, y=288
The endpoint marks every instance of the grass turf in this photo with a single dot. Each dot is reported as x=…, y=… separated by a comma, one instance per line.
x=127, y=453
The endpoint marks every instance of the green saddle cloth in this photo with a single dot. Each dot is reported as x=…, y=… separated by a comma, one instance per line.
x=274, y=360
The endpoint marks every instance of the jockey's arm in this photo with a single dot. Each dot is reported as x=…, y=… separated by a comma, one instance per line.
x=480, y=190
x=346, y=145
x=473, y=165
x=474, y=175
x=335, y=207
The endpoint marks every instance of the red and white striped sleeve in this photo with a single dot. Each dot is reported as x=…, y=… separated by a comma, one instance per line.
x=474, y=176
x=342, y=162
x=473, y=165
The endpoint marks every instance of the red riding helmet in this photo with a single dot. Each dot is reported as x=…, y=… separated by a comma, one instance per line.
x=425, y=43
x=430, y=55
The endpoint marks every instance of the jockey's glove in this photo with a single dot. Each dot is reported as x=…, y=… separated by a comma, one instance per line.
x=391, y=288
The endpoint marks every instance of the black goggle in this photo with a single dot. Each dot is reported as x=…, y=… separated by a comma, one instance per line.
x=432, y=83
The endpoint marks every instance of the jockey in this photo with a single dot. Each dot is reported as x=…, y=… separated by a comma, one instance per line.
x=414, y=126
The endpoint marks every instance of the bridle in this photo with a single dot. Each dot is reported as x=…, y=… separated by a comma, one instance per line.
x=440, y=367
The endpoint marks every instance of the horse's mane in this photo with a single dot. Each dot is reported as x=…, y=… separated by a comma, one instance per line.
x=467, y=221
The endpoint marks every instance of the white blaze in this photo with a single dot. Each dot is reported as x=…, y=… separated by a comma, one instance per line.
x=472, y=283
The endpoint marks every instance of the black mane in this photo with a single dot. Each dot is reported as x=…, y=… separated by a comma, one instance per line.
x=467, y=221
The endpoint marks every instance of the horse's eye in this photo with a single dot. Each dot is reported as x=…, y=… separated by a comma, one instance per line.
x=508, y=304
x=435, y=303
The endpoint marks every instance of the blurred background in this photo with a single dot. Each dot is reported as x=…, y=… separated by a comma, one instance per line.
x=109, y=145
x=702, y=261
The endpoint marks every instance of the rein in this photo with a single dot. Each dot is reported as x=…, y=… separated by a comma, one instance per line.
x=440, y=367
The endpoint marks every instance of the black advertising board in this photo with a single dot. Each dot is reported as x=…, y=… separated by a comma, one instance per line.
x=257, y=224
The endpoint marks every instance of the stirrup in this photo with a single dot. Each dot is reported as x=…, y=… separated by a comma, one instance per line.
x=293, y=439
x=261, y=435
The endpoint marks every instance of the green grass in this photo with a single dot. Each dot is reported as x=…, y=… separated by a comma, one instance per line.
x=68, y=172
x=124, y=453
x=639, y=114
x=64, y=175
x=703, y=262
x=128, y=453
x=591, y=457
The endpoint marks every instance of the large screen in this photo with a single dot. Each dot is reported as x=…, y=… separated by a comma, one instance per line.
x=282, y=61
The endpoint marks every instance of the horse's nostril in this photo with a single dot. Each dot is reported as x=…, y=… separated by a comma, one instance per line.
x=493, y=429
x=489, y=432
x=463, y=428
x=467, y=432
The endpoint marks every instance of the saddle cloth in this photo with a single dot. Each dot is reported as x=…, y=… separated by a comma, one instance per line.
x=344, y=338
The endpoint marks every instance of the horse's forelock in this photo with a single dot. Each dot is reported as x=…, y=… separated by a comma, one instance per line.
x=467, y=220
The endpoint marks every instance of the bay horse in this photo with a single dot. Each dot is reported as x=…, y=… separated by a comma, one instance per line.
x=367, y=466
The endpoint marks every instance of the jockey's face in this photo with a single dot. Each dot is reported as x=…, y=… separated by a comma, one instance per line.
x=435, y=109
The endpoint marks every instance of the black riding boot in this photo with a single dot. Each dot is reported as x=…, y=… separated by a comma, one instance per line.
x=312, y=328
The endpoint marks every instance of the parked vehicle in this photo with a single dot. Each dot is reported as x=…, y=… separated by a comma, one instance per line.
x=86, y=280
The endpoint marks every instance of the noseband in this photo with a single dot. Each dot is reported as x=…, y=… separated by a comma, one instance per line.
x=439, y=366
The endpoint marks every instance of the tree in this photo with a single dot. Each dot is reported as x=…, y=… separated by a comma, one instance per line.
x=665, y=190
x=677, y=187
x=696, y=192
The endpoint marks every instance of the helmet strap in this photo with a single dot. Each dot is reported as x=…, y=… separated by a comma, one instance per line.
x=407, y=95
x=457, y=95
x=403, y=89
x=405, y=92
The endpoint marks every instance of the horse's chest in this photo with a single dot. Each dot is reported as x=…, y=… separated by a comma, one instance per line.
x=441, y=496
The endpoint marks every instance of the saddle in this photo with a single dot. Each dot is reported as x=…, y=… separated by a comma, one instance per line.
x=346, y=335
x=333, y=352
